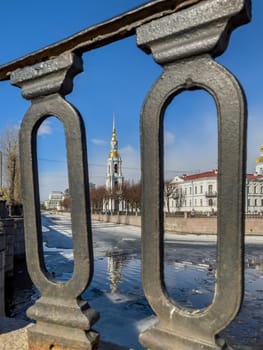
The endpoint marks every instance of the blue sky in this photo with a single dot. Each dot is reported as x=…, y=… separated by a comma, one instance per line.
x=115, y=80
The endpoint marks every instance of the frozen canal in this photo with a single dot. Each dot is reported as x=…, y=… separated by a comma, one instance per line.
x=116, y=290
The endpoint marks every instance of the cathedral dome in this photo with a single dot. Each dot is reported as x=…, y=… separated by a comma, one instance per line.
x=260, y=158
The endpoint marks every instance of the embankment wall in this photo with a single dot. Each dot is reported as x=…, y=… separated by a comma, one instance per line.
x=196, y=225
x=12, y=246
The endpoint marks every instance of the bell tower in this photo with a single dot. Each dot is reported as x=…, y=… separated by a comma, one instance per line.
x=114, y=177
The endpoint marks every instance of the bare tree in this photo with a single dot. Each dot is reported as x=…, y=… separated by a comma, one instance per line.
x=132, y=195
x=168, y=190
x=66, y=203
x=97, y=196
x=11, y=170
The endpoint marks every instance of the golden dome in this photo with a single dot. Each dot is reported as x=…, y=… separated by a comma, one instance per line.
x=114, y=154
x=260, y=159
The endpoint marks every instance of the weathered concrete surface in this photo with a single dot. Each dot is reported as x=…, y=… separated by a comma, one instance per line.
x=13, y=336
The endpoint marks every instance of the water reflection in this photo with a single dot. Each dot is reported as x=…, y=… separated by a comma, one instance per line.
x=116, y=287
x=255, y=262
x=116, y=260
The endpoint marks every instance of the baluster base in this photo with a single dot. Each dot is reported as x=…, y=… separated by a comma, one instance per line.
x=62, y=324
x=158, y=339
x=43, y=336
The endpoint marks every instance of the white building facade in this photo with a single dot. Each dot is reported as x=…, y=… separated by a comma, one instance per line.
x=54, y=200
x=197, y=193
x=193, y=193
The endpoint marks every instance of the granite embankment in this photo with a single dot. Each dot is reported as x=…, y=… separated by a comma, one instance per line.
x=12, y=247
x=193, y=225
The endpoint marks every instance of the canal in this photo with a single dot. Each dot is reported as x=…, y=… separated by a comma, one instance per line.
x=116, y=289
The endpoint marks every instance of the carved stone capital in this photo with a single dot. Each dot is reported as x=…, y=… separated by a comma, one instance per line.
x=48, y=77
x=203, y=28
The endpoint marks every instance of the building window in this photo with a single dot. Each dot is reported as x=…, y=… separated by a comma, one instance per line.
x=201, y=202
x=210, y=188
x=262, y=202
x=210, y=202
x=247, y=189
x=261, y=189
x=255, y=189
x=195, y=202
x=190, y=190
x=255, y=202
x=201, y=189
x=116, y=168
x=195, y=189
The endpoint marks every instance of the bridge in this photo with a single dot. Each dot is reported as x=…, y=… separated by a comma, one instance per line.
x=184, y=38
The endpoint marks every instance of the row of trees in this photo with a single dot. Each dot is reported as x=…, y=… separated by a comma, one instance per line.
x=130, y=193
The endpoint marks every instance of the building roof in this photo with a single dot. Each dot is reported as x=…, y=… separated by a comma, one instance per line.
x=254, y=177
x=211, y=173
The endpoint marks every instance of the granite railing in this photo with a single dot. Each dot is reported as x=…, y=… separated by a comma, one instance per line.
x=184, y=37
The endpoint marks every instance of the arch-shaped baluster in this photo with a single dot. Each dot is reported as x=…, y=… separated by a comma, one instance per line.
x=188, y=64
x=64, y=320
x=201, y=324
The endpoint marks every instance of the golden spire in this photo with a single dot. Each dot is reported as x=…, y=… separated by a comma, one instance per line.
x=114, y=142
x=114, y=136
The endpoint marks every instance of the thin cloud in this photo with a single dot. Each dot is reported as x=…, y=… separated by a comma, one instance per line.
x=98, y=142
x=131, y=163
x=193, y=149
x=128, y=150
x=45, y=128
x=52, y=181
x=168, y=138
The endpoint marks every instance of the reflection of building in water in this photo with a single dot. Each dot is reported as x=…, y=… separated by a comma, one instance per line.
x=115, y=265
x=256, y=263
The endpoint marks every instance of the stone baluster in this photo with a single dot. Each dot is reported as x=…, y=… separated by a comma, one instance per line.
x=64, y=320
x=185, y=44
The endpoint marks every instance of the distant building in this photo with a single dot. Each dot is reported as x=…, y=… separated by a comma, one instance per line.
x=54, y=200
x=197, y=193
